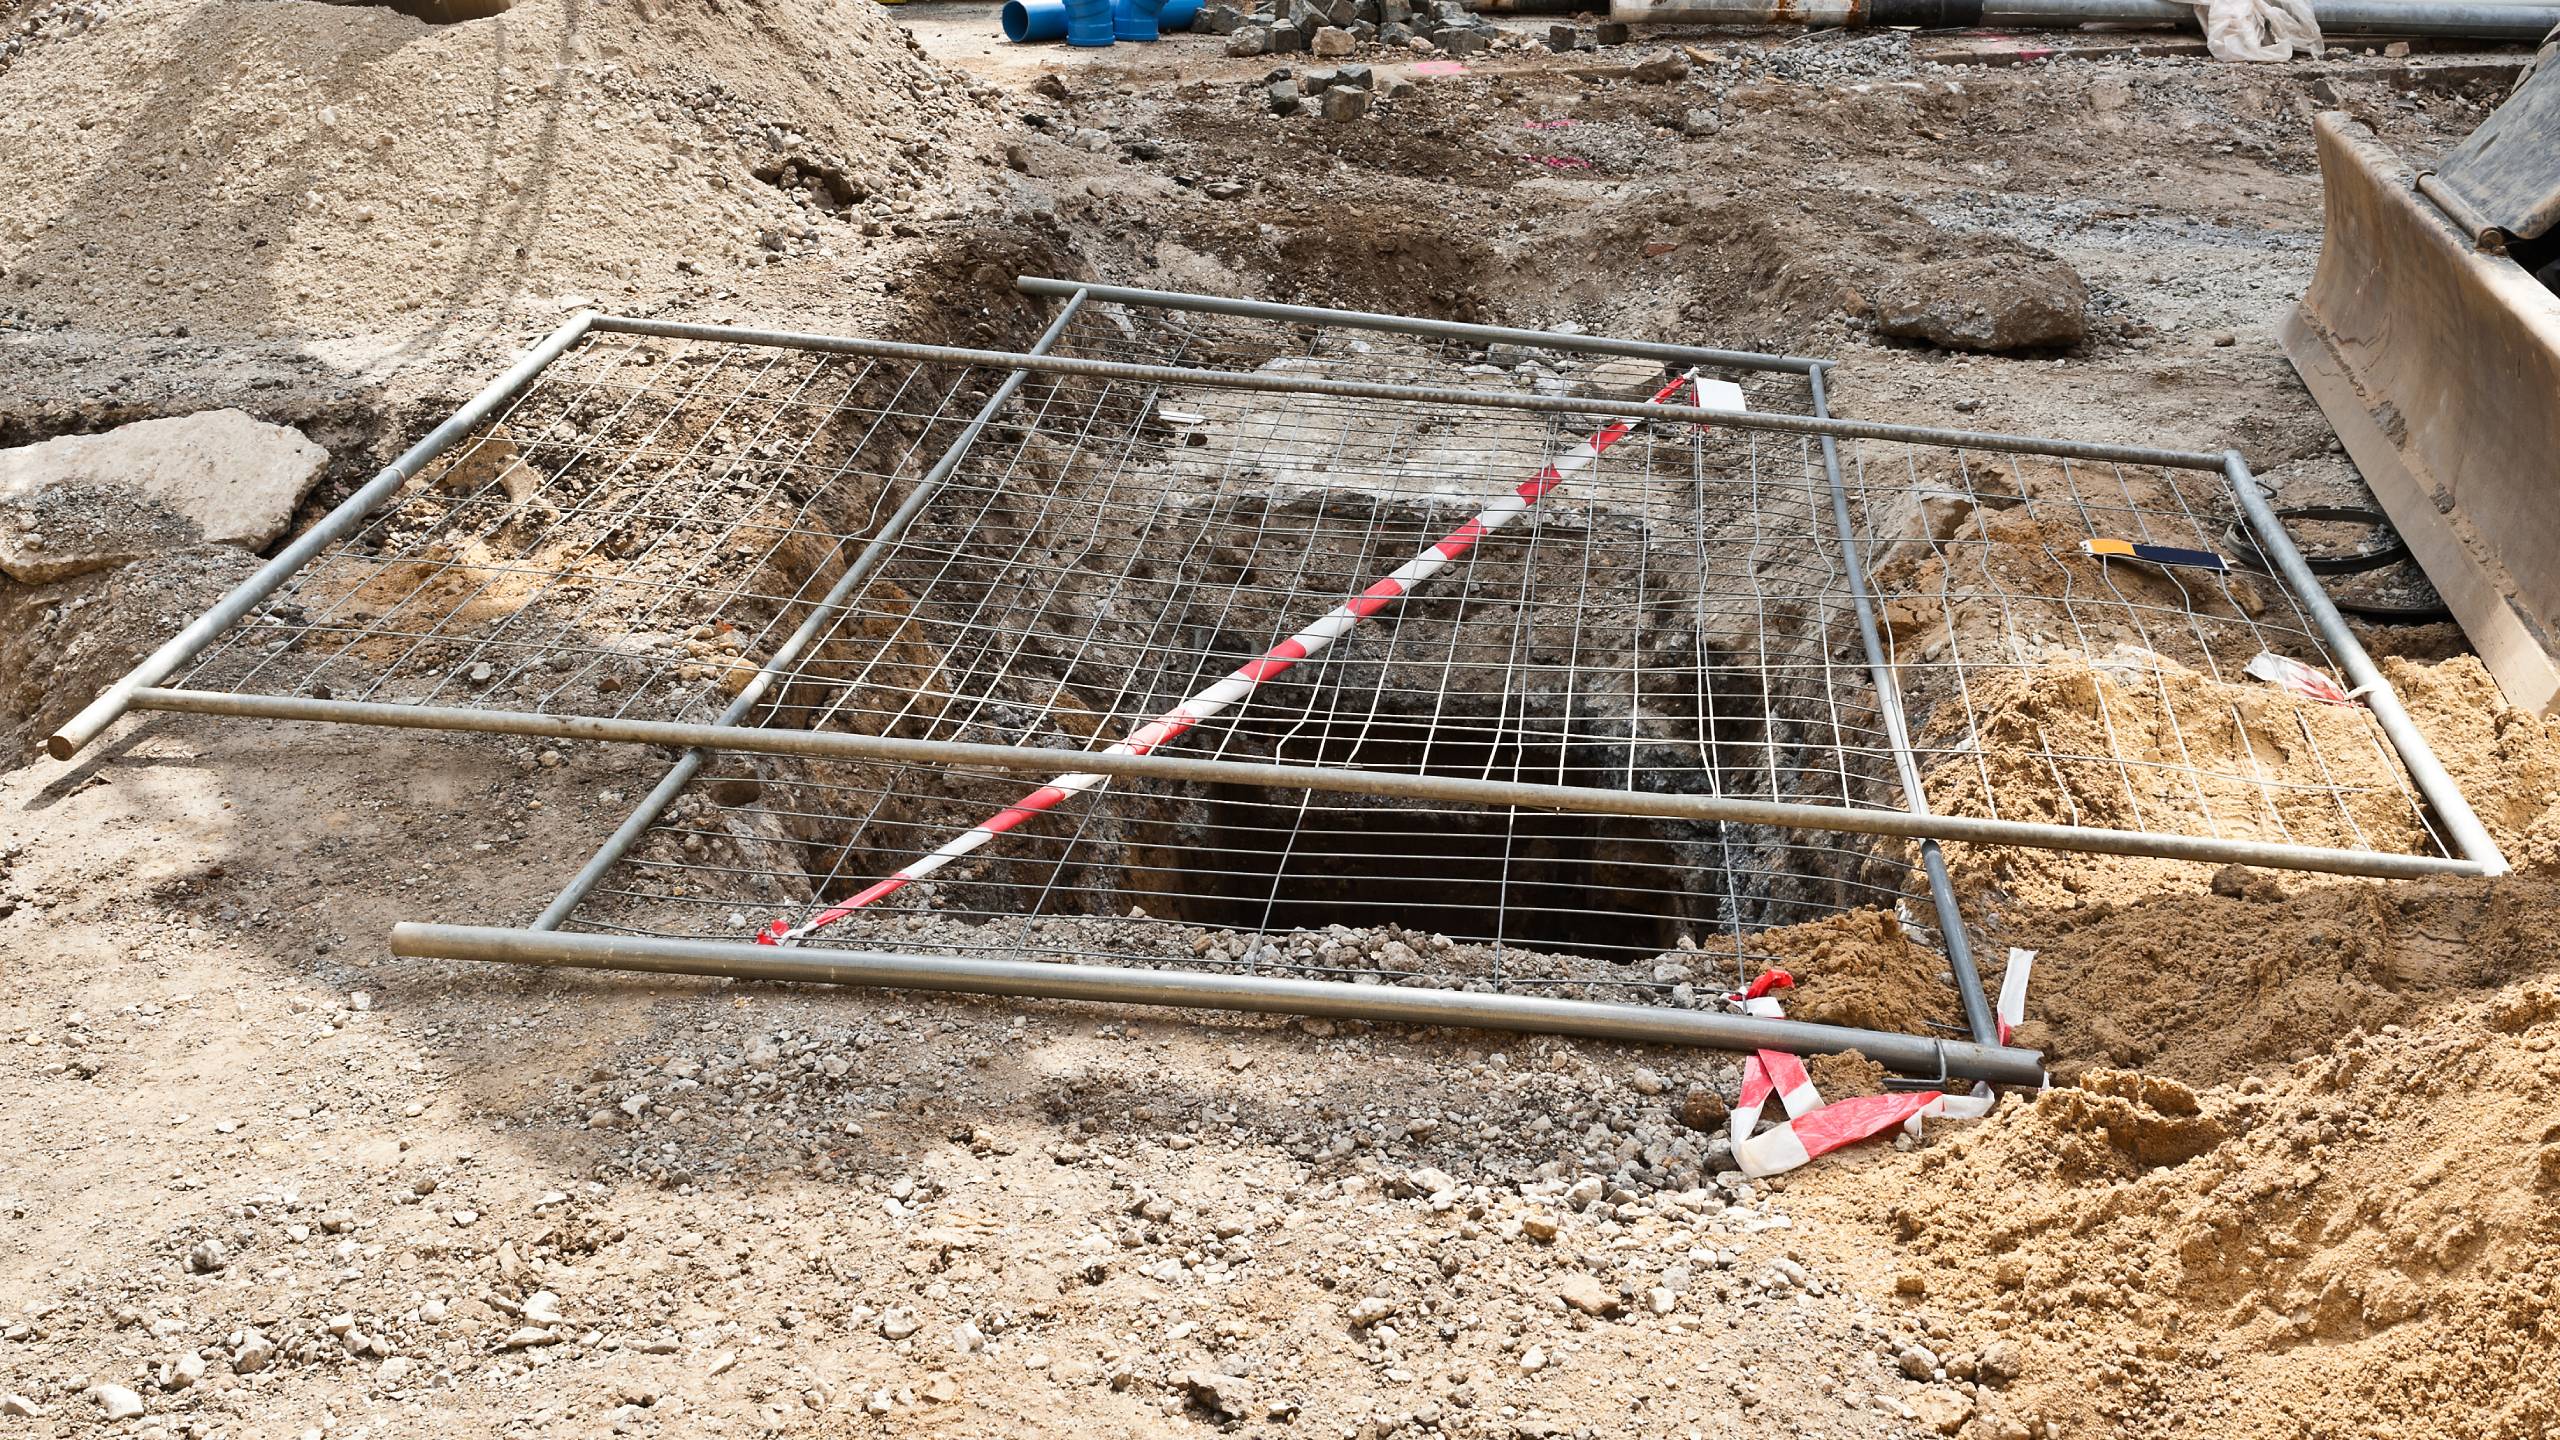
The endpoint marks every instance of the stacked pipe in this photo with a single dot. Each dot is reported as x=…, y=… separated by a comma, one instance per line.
x=2457, y=19
x=1093, y=23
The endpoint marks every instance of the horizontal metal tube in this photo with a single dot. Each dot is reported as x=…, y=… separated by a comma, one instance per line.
x=1292, y=384
x=350, y=512
x=1265, y=994
x=2470, y=21
x=1576, y=799
x=1417, y=325
x=2453, y=812
x=2473, y=20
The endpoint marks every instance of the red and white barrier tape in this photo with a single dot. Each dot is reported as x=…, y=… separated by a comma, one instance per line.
x=1813, y=1128
x=1246, y=678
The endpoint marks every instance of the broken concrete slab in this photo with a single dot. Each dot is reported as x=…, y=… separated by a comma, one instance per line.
x=85, y=502
x=1992, y=304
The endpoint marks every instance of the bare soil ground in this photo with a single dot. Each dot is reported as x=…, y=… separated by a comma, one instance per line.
x=277, y=1182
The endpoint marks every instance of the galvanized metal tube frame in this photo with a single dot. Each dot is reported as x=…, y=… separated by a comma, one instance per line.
x=1668, y=353
x=1387, y=1004
x=2461, y=825
x=752, y=694
x=1292, y=384
x=1979, y=1021
x=1911, y=1054
x=1572, y=799
x=182, y=647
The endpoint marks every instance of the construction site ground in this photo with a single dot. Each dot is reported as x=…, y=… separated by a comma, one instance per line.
x=2300, y=1175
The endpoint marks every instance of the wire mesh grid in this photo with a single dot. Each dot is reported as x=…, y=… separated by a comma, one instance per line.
x=2048, y=683
x=635, y=533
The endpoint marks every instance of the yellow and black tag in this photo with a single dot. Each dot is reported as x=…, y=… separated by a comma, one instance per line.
x=2156, y=554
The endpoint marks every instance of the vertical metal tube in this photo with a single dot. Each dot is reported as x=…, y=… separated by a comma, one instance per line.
x=753, y=692
x=2461, y=825
x=182, y=647
x=1979, y=1019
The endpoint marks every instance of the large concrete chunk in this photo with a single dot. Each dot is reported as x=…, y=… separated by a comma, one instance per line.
x=84, y=502
x=1993, y=305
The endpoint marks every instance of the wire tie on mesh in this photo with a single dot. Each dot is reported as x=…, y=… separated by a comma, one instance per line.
x=1245, y=679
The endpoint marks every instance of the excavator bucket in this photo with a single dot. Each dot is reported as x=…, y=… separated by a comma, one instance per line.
x=2437, y=362
x=2438, y=365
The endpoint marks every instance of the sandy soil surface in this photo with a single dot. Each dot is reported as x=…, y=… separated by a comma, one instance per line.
x=2300, y=1183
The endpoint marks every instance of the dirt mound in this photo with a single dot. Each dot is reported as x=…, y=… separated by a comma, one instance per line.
x=2348, y=1249
x=2305, y=1181
x=290, y=168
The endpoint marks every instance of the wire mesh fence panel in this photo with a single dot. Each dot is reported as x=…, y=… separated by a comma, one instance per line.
x=1674, y=619
x=2076, y=642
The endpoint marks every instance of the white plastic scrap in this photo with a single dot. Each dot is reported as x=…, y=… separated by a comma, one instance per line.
x=2259, y=29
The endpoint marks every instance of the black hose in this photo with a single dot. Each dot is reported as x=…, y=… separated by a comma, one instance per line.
x=2386, y=548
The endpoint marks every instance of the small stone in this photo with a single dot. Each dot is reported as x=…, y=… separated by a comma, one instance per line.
x=1250, y=40
x=1227, y=1396
x=1910, y=1282
x=252, y=1354
x=207, y=1257
x=1589, y=1296
x=2224, y=339
x=118, y=1402
x=1999, y=1363
x=1370, y=1311
x=1916, y=1362
x=1661, y=1300
x=19, y=1407
x=184, y=1371
x=1538, y=1225
x=967, y=1338
x=897, y=1324
x=360, y=1001
x=1704, y=1109
x=1941, y=1409
x=1533, y=1359
x=1584, y=1193
x=529, y=1337
x=1646, y=1082
x=1659, y=69
x=1282, y=96
x=542, y=1308
x=1331, y=42
x=940, y=1390
x=1344, y=103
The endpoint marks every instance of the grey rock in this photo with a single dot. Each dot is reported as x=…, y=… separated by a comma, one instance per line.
x=1701, y=122
x=1358, y=77
x=1344, y=102
x=1461, y=42
x=1250, y=40
x=1227, y=1396
x=85, y=502
x=1660, y=68
x=1332, y=42
x=1217, y=20
x=118, y=1402
x=1999, y=1363
x=1991, y=305
x=1283, y=97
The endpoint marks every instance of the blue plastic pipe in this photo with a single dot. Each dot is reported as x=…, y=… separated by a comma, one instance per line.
x=1028, y=22
x=1088, y=22
x=1135, y=19
x=1037, y=21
